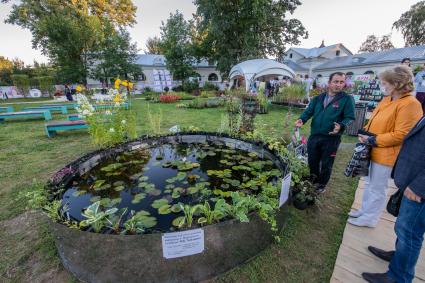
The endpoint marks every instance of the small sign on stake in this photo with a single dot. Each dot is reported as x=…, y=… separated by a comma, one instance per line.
x=179, y=244
x=284, y=191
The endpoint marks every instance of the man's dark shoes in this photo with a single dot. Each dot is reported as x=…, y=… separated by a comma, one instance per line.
x=377, y=278
x=320, y=188
x=385, y=255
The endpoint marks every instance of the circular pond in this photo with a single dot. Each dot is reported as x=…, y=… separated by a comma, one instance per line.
x=126, y=198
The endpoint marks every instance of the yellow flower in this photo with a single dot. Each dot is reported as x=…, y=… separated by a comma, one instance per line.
x=124, y=83
x=79, y=88
x=117, y=83
x=117, y=98
x=130, y=85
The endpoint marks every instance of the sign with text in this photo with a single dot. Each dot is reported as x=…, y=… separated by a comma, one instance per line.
x=179, y=244
x=284, y=191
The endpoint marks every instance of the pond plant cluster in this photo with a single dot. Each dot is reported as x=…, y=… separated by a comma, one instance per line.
x=170, y=187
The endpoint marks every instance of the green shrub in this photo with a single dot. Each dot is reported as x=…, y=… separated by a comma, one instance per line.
x=210, y=86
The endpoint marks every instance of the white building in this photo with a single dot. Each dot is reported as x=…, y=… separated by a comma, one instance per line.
x=324, y=60
x=157, y=77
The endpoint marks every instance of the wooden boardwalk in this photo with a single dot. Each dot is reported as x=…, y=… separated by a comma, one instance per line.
x=353, y=255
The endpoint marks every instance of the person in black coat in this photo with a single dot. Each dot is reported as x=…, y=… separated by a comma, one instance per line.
x=409, y=176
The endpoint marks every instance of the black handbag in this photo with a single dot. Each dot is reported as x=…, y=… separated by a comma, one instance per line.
x=393, y=205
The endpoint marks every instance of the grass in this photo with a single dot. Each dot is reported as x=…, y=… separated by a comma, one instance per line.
x=310, y=240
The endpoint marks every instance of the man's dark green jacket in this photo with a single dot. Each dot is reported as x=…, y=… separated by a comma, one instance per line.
x=339, y=110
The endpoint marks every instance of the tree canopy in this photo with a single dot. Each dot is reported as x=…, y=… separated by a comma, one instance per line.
x=374, y=43
x=177, y=46
x=153, y=45
x=70, y=32
x=236, y=30
x=412, y=24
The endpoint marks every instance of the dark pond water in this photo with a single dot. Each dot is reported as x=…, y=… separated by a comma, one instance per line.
x=156, y=180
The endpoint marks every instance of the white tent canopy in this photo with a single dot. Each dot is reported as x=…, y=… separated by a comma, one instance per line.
x=256, y=68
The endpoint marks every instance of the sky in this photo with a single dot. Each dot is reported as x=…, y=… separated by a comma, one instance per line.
x=335, y=21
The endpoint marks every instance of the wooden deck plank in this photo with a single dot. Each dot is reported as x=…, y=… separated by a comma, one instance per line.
x=353, y=257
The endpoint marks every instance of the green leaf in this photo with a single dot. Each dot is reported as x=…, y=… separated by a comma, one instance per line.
x=165, y=209
x=179, y=221
x=159, y=202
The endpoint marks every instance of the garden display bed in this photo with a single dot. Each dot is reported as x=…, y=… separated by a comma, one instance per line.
x=297, y=105
x=158, y=180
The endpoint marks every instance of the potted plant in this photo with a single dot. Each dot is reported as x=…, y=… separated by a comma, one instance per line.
x=303, y=195
x=291, y=95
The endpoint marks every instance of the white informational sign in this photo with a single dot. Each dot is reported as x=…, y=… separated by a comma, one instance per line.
x=179, y=244
x=284, y=191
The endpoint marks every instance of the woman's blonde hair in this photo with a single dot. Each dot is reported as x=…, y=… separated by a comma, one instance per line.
x=401, y=77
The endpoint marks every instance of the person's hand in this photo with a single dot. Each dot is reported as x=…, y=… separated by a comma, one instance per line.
x=363, y=138
x=299, y=123
x=337, y=128
x=408, y=193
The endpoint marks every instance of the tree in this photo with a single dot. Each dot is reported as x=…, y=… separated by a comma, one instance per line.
x=6, y=67
x=375, y=44
x=176, y=46
x=412, y=24
x=237, y=30
x=70, y=32
x=117, y=57
x=153, y=45
x=22, y=83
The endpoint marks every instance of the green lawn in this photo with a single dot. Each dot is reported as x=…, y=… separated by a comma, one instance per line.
x=310, y=240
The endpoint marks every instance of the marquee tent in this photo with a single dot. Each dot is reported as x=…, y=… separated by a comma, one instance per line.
x=256, y=68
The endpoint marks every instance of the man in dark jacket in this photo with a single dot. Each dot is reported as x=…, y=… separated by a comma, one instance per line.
x=332, y=111
x=409, y=175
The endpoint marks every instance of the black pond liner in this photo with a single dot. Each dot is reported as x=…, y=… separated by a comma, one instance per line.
x=94, y=257
x=296, y=105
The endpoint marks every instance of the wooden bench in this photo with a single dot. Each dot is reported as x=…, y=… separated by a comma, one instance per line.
x=74, y=117
x=52, y=128
x=26, y=114
x=69, y=106
x=110, y=106
x=61, y=108
x=7, y=109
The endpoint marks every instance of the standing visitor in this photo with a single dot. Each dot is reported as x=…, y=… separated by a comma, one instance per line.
x=68, y=93
x=390, y=122
x=409, y=176
x=406, y=62
x=420, y=87
x=331, y=111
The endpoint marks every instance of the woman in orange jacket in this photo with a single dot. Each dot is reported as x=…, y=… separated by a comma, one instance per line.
x=390, y=122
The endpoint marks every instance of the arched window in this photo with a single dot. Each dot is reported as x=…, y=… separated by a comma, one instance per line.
x=212, y=77
x=369, y=72
x=142, y=77
x=338, y=52
x=158, y=61
x=319, y=75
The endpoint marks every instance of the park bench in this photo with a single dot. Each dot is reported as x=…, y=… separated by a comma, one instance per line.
x=61, y=108
x=110, y=106
x=52, y=128
x=6, y=109
x=69, y=106
x=74, y=117
x=26, y=114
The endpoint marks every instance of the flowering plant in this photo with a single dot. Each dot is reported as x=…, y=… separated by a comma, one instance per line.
x=169, y=98
x=109, y=123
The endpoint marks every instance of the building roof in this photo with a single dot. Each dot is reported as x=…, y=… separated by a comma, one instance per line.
x=415, y=53
x=294, y=66
x=317, y=51
x=159, y=60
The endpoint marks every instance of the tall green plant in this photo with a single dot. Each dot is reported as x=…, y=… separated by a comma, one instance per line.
x=22, y=83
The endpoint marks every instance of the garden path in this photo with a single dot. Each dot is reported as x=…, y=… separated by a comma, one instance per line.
x=353, y=255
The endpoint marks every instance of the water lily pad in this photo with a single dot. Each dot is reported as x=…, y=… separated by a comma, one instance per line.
x=136, y=176
x=169, y=186
x=252, y=154
x=119, y=188
x=165, y=209
x=178, y=222
x=105, y=202
x=111, y=167
x=167, y=191
x=193, y=190
x=137, y=198
x=95, y=199
x=176, y=208
x=143, y=185
x=180, y=176
x=159, y=202
x=115, y=201
x=118, y=183
x=176, y=192
x=98, y=183
x=167, y=164
x=221, y=193
x=152, y=191
x=143, y=178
